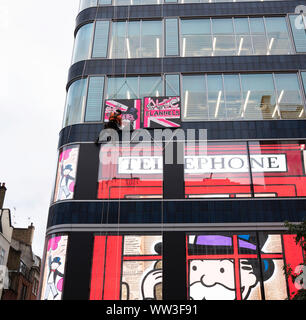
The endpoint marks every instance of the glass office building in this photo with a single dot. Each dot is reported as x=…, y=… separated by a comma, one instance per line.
x=134, y=226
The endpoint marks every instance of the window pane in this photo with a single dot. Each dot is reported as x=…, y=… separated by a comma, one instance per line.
x=221, y=171
x=258, y=97
x=244, y=41
x=130, y=172
x=278, y=37
x=289, y=99
x=258, y=36
x=194, y=98
x=302, y=114
x=87, y=3
x=196, y=38
x=216, y=107
x=101, y=39
x=94, y=99
x=75, y=102
x=123, y=278
x=233, y=97
x=151, y=39
x=132, y=42
x=172, y=85
x=103, y=2
x=223, y=37
x=150, y=87
x=298, y=26
x=172, y=37
x=278, y=169
x=118, y=42
x=122, y=88
x=82, y=43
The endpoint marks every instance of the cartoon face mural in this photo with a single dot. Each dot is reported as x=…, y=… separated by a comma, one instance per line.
x=66, y=173
x=127, y=268
x=241, y=267
x=54, y=268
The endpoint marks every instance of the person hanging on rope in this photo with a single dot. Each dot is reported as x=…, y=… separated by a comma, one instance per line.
x=115, y=120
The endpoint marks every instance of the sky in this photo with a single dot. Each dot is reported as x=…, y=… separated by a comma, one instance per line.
x=37, y=39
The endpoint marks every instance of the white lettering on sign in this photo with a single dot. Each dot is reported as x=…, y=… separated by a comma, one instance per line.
x=207, y=164
x=140, y=165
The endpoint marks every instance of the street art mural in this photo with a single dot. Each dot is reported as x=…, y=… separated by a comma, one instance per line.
x=54, y=269
x=162, y=112
x=226, y=266
x=127, y=268
x=130, y=108
x=66, y=173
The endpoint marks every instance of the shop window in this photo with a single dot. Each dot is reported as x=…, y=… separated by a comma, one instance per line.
x=127, y=267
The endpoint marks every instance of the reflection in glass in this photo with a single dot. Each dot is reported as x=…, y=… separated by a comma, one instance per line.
x=136, y=39
x=194, y=100
x=223, y=37
x=298, y=27
x=75, y=102
x=216, y=106
x=221, y=171
x=150, y=87
x=196, y=38
x=244, y=41
x=122, y=88
x=172, y=85
x=82, y=44
x=258, y=36
x=289, y=103
x=233, y=96
x=258, y=97
x=130, y=172
x=151, y=39
x=278, y=37
x=278, y=169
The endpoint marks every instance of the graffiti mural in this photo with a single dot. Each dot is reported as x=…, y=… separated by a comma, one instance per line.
x=130, y=108
x=127, y=268
x=239, y=266
x=66, y=173
x=162, y=112
x=54, y=269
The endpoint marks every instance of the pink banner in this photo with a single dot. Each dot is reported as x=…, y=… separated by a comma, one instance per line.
x=162, y=112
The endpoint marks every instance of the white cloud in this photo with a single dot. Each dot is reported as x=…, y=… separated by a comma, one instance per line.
x=37, y=38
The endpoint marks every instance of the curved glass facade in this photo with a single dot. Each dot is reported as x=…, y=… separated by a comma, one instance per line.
x=245, y=36
x=205, y=97
x=93, y=3
x=217, y=89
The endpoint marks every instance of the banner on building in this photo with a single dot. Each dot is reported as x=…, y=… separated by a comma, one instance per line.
x=162, y=112
x=130, y=108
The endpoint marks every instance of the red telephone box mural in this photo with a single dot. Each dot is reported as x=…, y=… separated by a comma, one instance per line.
x=220, y=170
x=131, y=172
x=235, y=170
x=126, y=267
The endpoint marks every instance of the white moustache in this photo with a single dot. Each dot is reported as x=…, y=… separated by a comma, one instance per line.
x=216, y=292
